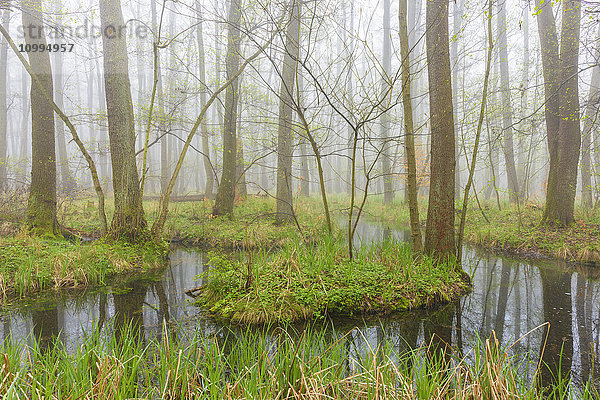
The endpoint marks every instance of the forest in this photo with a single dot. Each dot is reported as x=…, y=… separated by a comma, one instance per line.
x=299, y=199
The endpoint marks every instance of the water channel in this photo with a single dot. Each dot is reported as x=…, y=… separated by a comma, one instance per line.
x=513, y=298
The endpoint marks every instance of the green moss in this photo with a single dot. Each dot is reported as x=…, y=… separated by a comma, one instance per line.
x=305, y=282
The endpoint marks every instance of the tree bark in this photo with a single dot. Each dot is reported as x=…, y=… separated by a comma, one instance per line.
x=128, y=221
x=413, y=205
x=285, y=147
x=226, y=190
x=439, y=232
x=41, y=205
x=509, y=153
x=562, y=108
x=3, y=105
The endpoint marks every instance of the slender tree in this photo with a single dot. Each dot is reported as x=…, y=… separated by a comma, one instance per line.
x=285, y=149
x=386, y=167
x=591, y=115
x=210, y=177
x=226, y=190
x=3, y=104
x=507, y=132
x=128, y=220
x=67, y=183
x=415, y=225
x=439, y=232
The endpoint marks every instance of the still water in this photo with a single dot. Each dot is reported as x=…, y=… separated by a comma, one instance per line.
x=517, y=300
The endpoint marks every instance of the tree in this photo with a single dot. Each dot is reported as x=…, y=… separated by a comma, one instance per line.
x=509, y=153
x=413, y=205
x=3, y=106
x=41, y=204
x=128, y=220
x=386, y=168
x=285, y=149
x=560, y=71
x=226, y=190
x=439, y=232
x=67, y=183
x=210, y=177
x=591, y=114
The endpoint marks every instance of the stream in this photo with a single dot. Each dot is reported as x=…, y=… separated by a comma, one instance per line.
x=512, y=298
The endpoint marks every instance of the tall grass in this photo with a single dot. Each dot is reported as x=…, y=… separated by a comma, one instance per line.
x=266, y=364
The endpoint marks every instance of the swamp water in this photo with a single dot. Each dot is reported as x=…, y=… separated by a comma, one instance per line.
x=515, y=299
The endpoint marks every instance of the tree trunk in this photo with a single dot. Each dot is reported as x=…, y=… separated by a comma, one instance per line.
x=562, y=108
x=226, y=190
x=210, y=177
x=285, y=148
x=164, y=161
x=413, y=205
x=509, y=154
x=128, y=220
x=439, y=233
x=67, y=183
x=3, y=105
x=386, y=167
x=591, y=113
x=41, y=205
x=241, y=189
x=24, y=142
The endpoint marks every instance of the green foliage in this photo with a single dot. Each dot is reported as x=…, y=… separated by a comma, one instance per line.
x=31, y=264
x=310, y=281
x=265, y=364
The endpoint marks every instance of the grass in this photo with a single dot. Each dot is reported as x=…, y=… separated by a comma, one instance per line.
x=267, y=364
x=192, y=222
x=302, y=282
x=28, y=265
x=578, y=242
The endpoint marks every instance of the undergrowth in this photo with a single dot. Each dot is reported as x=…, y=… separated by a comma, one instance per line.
x=310, y=281
x=28, y=264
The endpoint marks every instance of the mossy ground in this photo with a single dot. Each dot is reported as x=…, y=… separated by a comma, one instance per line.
x=28, y=264
x=310, y=281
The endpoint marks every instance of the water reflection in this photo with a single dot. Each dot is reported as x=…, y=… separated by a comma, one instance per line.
x=512, y=298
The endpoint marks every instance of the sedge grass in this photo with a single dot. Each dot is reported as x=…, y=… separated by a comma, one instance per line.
x=266, y=364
